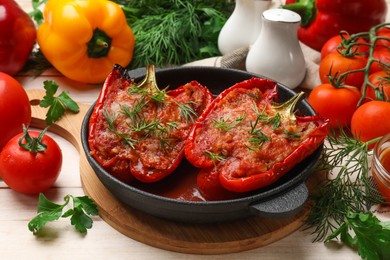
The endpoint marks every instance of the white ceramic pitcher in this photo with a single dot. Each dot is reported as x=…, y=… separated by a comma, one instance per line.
x=276, y=53
x=243, y=26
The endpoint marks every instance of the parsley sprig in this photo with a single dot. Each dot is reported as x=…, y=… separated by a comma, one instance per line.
x=79, y=215
x=57, y=105
x=371, y=236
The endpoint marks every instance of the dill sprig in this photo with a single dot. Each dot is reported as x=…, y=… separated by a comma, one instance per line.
x=186, y=111
x=227, y=124
x=345, y=161
x=214, y=157
x=111, y=118
x=257, y=136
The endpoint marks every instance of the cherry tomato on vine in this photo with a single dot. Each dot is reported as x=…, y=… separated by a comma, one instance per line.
x=335, y=104
x=330, y=45
x=381, y=81
x=371, y=120
x=336, y=64
x=15, y=109
x=382, y=54
x=383, y=32
x=30, y=162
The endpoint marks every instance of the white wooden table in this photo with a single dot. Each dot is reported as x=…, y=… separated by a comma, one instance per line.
x=61, y=241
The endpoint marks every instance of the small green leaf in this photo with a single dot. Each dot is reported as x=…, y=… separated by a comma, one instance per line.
x=51, y=88
x=55, y=112
x=50, y=211
x=46, y=205
x=68, y=103
x=81, y=221
x=87, y=204
x=41, y=219
x=57, y=105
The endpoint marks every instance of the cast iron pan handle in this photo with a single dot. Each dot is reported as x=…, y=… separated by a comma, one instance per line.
x=285, y=205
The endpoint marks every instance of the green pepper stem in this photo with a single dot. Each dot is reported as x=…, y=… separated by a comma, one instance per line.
x=305, y=8
x=99, y=45
x=32, y=144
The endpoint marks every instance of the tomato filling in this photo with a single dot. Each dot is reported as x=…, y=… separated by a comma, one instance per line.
x=246, y=135
x=142, y=130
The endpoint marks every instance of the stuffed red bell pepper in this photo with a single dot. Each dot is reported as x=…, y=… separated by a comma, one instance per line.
x=246, y=141
x=323, y=19
x=138, y=130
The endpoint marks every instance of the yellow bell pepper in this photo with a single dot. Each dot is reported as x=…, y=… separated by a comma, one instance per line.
x=83, y=39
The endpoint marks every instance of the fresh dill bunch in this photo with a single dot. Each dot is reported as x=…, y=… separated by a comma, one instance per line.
x=345, y=161
x=175, y=32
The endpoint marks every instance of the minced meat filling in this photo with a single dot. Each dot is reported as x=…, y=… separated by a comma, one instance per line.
x=135, y=128
x=247, y=135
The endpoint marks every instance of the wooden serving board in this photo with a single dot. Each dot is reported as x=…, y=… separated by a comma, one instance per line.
x=235, y=236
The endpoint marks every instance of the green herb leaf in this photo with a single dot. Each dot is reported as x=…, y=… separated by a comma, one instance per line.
x=86, y=204
x=57, y=105
x=372, y=237
x=80, y=220
x=347, y=184
x=50, y=211
x=36, y=14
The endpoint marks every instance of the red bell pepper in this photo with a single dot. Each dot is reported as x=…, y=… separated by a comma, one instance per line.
x=323, y=19
x=138, y=130
x=248, y=140
x=17, y=37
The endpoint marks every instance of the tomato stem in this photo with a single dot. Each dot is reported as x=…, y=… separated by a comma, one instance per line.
x=346, y=49
x=34, y=145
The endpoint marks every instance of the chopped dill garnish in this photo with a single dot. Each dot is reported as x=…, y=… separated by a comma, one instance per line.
x=226, y=124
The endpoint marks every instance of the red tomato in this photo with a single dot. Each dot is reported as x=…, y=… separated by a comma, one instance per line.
x=15, y=109
x=335, y=63
x=379, y=79
x=330, y=45
x=382, y=54
x=371, y=120
x=336, y=104
x=28, y=172
x=383, y=32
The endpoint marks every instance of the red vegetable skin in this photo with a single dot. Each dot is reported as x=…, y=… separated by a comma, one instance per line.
x=15, y=109
x=334, y=43
x=333, y=16
x=17, y=37
x=247, y=165
x=381, y=86
x=371, y=120
x=336, y=104
x=148, y=160
x=381, y=54
x=335, y=64
x=27, y=172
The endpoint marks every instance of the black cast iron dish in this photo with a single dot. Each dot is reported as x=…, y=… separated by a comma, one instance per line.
x=284, y=198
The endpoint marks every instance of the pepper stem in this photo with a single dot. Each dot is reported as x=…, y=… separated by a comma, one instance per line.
x=305, y=8
x=287, y=108
x=99, y=45
x=32, y=144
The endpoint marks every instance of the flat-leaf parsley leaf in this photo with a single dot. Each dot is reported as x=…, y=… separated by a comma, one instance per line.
x=372, y=237
x=79, y=215
x=57, y=105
